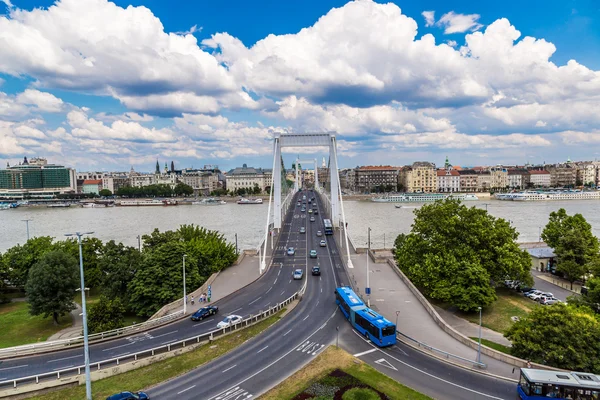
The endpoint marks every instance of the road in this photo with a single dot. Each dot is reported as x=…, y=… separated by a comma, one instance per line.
x=546, y=286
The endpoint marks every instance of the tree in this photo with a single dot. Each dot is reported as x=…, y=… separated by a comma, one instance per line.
x=51, y=285
x=183, y=190
x=106, y=315
x=19, y=259
x=4, y=275
x=91, y=249
x=456, y=254
x=560, y=336
x=105, y=193
x=256, y=189
x=118, y=264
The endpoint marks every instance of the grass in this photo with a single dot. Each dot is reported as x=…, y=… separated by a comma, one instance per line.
x=163, y=370
x=18, y=327
x=334, y=358
x=496, y=346
x=498, y=316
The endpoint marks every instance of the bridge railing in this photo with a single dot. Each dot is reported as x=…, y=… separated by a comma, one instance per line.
x=35, y=380
x=61, y=344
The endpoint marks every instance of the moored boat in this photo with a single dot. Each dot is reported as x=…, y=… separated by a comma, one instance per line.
x=548, y=195
x=209, y=202
x=423, y=197
x=249, y=201
x=146, y=203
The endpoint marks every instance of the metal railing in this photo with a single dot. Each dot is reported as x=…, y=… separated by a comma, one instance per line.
x=53, y=345
x=442, y=352
x=96, y=366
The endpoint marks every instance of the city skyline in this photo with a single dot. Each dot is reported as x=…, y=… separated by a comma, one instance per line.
x=119, y=86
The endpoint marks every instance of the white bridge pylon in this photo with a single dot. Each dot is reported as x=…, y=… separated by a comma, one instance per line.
x=294, y=140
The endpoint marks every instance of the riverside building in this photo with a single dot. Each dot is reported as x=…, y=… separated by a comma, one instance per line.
x=36, y=179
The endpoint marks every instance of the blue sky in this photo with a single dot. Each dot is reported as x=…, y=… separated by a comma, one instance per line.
x=107, y=85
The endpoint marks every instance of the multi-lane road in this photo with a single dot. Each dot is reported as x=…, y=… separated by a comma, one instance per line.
x=271, y=357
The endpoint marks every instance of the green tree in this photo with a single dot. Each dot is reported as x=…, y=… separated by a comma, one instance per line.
x=19, y=259
x=456, y=254
x=183, y=190
x=105, y=193
x=91, y=249
x=4, y=276
x=256, y=189
x=51, y=285
x=105, y=315
x=560, y=336
x=118, y=264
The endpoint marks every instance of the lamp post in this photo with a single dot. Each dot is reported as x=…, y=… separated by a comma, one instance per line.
x=139, y=238
x=479, y=347
x=86, y=353
x=27, y=222
x=539, y=233
x=337, y=336
x=184, y=294
x=368, y=288
x=397, y=313
x=486, y=204
x=236, y=245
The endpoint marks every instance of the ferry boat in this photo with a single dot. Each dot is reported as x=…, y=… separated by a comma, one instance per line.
x=58, y=205
x=423, y=197
x=547, y=195
x=146, y=203
x=209, y=202
x=250, y=201
x=97, y=205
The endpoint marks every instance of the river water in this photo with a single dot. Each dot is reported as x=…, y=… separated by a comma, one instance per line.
x=123, y=224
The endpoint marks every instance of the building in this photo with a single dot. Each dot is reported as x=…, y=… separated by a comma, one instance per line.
x=498, y=178
x=538, y=178
x=587, y=174
x=115, y=182
x=92, y=186
x=369, y=179
x=517, y=178
x=420, y=177
x=484, y=181
x=203, y=181
x=468, y=180
x=248, y=177
x=562, y=175
x=36, y=180
x=448, y=180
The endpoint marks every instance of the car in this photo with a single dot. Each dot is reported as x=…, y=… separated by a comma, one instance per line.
x=229, y=321
x=129, y=396
x=302, y=229
x=309, y=201
x=323, y=243
x=303, y=209
x=548, y=301
x=532, y=292
x=291, y=251
x=313, y=254
x=316, y=270
x=204, y=312
x=298, y=274
x=524, y=288
x=319, y=233
x=536, y=296
x=543, y=296
x=312, y=219
x=310, y=210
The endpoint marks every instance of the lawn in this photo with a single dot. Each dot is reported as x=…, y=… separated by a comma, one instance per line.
x=161, y=371
x=498, y=316
x=334, y=368
x=493, y=345
x=17, y=327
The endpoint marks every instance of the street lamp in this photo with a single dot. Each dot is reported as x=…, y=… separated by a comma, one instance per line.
x=479, y=348
x=184, y=294
x=539, y=233
x=486, y=204
x=337, y=337
x=27, y=222
x=236, y=245
x=397, y=313
x=139, y=238
x=86, y=352
x=368, y=288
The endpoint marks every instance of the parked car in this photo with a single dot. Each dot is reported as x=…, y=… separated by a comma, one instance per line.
x=129, y=396
x=548, y=301
x=229, y=321
x=298, y=274
x=524, y=288
x=291, y=251
x=543, y=296
x=204, y=312
x=532, y=292
x=302, y=229
x=319, y=233
x=536, y=296
x=316, y=270
x=313, y=254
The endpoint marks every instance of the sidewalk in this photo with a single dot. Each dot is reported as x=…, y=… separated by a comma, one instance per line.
x=470, y=329
x=74, y=330
x=389, y=294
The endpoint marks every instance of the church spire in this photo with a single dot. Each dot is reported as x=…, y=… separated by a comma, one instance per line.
x=157, y=167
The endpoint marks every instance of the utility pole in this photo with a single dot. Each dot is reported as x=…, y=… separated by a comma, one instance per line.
x=184, y=294
x=139, y=238
x=236, y=245
x=27, y=222
x=368, y=288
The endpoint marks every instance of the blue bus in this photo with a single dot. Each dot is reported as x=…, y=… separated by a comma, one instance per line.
x=366, y=321
x=540, y=383
x=328, y=227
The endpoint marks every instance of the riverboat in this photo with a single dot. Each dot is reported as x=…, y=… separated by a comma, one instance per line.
x=209, y=202
x=147, y=203
x=423, y=197
x=250, y=201
x=549, y=195
x=97, y=205
x=58, y=205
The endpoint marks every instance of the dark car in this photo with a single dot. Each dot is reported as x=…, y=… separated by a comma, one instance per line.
x=128, y=396
x=316, y=270
x=204, y=312
x=316, y=212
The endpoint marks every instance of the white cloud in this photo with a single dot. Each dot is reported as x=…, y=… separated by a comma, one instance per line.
x=458, y=23
x=451, y=43
x=456, y=140
x=171, y=104
x=44, y=101
x=9, y=108
x=9, y=145
x=8, y=3
x=578, y=137
x=429, y=17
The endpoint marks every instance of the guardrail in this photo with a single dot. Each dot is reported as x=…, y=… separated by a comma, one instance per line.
x=29, y=349
x=96, y=366
x=444, y=353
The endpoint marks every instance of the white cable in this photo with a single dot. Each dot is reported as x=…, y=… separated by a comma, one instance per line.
x=339, y=190
x=264, y=255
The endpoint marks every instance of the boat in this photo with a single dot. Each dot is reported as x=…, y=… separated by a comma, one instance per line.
x=95, y=205
x=147, y=203
x=209, y=202
x=58, y=205
x=549, y=195
x=250, y=201
x=4, y=206
x=423, y=197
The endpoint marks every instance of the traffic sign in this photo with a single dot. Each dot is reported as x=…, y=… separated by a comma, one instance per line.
x=368, y=290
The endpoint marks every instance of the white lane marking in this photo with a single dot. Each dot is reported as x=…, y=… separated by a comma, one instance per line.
x=18, y=366
x=118, y=347
x=399, y=349
x=185, y=390
x=262, y=349
x=305, y=318
x=205, y=322
x=318, y=350
x=317, y=303
x=385, y=363
x=165, y=334
x=169, y=341
x=267, y=304
x=321, y=290
x=427, y=373
x=275, y=281
x=237, y=309
x=232, y=367
x=269, y=290
x=364, y=352
x=121, y=355
x=281, y=294
x=287, y=332
x=290, y=281
x=254, y=301
x=61, y=368
x=61, y=359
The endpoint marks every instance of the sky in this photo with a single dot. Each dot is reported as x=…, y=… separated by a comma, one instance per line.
x=105, y=86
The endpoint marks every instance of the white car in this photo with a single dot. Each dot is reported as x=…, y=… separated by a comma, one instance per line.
x=535, y=293
x=323, y=243
x=548, y=301
x=229, y=321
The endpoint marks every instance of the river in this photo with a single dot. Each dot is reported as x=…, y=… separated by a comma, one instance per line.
x=124, y=224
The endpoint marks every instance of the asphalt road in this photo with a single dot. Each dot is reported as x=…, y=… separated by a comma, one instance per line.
x=546, y=286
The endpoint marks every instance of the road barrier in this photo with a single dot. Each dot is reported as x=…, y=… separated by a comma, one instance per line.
x=35, y=382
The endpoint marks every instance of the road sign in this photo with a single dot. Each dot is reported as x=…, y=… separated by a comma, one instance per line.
x=368, y=290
